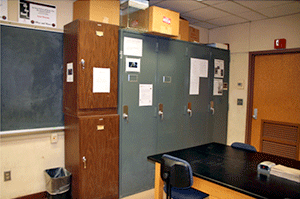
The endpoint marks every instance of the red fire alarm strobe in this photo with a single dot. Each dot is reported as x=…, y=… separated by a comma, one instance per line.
x=279, y=43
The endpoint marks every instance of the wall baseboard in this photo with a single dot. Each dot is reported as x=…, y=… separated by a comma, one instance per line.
x=41, y=195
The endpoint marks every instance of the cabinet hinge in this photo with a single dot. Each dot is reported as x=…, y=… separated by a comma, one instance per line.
x=121, y=53
x=186, y=51
x=156, y=48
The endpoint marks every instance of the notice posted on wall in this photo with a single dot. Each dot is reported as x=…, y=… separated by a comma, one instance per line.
x=145, y=94
x=133, y=65
x=37, y=14
x=70, y=72
x=218, y=86
x=133, y=47
x=101, y=80
x=219, y=68
x=3, y=10
x=198, y=68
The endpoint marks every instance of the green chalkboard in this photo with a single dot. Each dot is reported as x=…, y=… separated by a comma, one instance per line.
x=31, y=78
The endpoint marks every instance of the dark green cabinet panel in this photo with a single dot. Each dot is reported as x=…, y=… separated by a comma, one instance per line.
x=165, y=65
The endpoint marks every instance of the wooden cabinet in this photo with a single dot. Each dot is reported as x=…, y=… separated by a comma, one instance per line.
x=91, y=119
x=91, y=155
x=89, y=45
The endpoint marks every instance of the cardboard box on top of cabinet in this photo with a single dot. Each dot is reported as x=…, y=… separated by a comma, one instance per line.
x=105, y=11
x=194, y=35
x=153, y=20
x=134, y=15
x=163, y=22
x=183, y=30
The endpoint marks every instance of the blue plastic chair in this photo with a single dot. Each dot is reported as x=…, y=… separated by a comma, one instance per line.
x=178, y=176
x=239, y=145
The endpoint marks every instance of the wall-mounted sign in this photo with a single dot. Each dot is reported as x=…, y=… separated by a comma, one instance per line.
x=37, y=14
x=280, y=43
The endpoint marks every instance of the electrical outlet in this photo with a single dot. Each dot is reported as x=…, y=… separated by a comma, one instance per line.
x=7, y=176
x=240, y=102
x=54, y=138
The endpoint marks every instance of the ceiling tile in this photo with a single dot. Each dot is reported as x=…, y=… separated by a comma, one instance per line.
x=252, y=16
x=255, y=5
x=231, y=7
x=154, y=2
x=209, y=2
x=225, y=21
x=206, y=25
x=191, y=20
x=181, y=6
x=281, y=10
x=206, y=13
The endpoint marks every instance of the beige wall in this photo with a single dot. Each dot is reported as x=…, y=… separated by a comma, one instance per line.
x=28, y=156
x=243, y=38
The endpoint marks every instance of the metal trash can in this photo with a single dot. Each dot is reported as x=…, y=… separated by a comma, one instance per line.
x=58, y=181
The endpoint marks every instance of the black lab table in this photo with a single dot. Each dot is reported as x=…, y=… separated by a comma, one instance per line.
x=224, y=172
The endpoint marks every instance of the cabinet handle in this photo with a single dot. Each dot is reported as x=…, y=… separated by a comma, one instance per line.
x=125, y=112
x=189, y=110
x=161, y=111
x=84, y=162
x=212, y=107
x=82, y=63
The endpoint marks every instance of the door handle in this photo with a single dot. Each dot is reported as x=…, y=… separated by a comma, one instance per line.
x=189, y=109
x=84, y=162
x=161, y=111
x=212, y=107
x=255, y=113
x=125, y=113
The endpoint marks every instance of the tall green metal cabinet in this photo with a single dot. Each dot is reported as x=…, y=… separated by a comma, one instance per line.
x=172, y=95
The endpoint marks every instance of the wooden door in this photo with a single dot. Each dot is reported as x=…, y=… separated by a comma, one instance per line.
x=99, y=144
x=98, y=47
x=276, y=94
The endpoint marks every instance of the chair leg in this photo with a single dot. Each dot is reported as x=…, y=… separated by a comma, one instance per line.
x=168, y=191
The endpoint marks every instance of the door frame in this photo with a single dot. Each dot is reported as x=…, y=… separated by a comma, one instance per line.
x=251, y=74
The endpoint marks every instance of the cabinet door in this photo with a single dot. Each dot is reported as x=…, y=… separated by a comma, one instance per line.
x=171, y=93
x=198, y=120
x=98, y=49
x=218, y=129
x=138, y=133
x=99, y=145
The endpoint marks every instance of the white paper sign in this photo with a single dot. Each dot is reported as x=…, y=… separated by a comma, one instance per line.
x=37, y=14
x=3, y=10
x=70, y=72
x=133, y=47
x=198, y=68
x=218, y=86
x=145, y=94
x=133, y=65
x=219, y=68
x=101, y=80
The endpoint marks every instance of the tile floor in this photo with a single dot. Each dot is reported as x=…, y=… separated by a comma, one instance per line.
x=143, y=195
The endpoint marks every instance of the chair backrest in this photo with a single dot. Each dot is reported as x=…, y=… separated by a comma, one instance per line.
x=239, y=145
x=177, y=172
